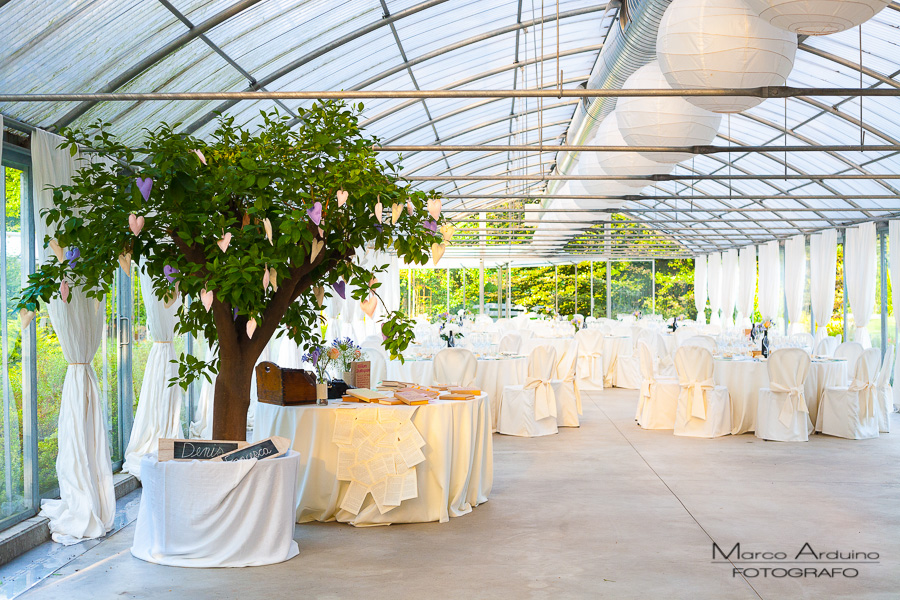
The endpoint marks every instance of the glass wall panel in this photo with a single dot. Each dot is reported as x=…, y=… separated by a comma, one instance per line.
x=631, y=287
x=566, y=290
x=534, y=287
x=675, y=288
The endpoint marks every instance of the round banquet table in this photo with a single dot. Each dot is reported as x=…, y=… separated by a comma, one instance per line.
x=613, y=347
x=456, y=475
x=491, y=376
x=745, y=377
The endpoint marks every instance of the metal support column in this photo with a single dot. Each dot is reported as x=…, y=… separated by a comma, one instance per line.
x=882, y=244
x=499, y=290
x=653, y=296
x=556, y=287
x=608, y=289
x=576, y=289
x=448, y=289
x=844, y=286
x=592, y=288
x=481, y=286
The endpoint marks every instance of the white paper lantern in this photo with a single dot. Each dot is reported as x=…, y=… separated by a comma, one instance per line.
x=619, y=163
x=594, y=187
x=663, y=121
x=722, y=44
x=817, y=17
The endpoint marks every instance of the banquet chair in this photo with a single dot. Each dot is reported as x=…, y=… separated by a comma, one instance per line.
x=702, y=341
x=782, y=414
x=658, y=399
x=628, y=371
x=884, y=394
x=590, y=359
x=568, y=396
x=805, y=340
x=850, y=412
x=827, y=346
x=704, y=408
x=455, y=366
x=510, y=342
x=529, y=410
x=850, y=351
x=377, y=364
x=683, y=334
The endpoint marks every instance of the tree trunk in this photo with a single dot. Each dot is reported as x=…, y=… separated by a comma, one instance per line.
x=232, y=396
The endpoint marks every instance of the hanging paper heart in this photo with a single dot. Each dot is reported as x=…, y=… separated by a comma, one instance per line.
x=125, y=262
x=266, y=279
x=430, y=225
x=251, y=327
x=144, y=185
x=321, y=232
x=135, y=223
x=447, y=231
x=223, y=243
x=206, y=297
x=64, y=291
x=169, y=272
x=273, y=278
x=317, y=246
x=396, y=211
x=409, y=207
x=437, y=251
x=72, y=255
x=234, y=318
x=342, y=197
x=25, y=317
x=319, y=293
x=378, y=210
x=171, y=298
x=315, y=213
x=267, y=225
x=245, y=220
x=369, y=304
x=341, y=289
x=372, y=282
x=200, y=156
x=434, y=208
x=57, y=250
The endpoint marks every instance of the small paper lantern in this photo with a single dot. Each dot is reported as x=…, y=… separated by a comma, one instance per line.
x=618, y=163
x=817, y=17
x=705, y=44
x=661, y=120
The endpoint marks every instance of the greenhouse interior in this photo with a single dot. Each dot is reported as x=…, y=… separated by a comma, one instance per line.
x=585, y=299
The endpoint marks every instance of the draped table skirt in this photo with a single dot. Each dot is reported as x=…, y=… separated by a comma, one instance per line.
x=614, y=346
x=456, y=475
x=744, y=379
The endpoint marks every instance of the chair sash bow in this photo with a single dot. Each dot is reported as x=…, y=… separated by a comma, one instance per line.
x=696, y=390
x=795, y=402
x=544, y=398
x=866, y=392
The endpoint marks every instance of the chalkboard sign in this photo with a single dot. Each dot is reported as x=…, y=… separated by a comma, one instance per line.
x=174, y=449
x=267, y=448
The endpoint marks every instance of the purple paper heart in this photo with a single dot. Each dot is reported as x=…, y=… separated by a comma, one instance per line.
x=341, y=289
x=72, y=255
x=145, y=185
x=315, y=213
x=168, y=272
x=379, y=227
x=432, y=225
x=235, y=315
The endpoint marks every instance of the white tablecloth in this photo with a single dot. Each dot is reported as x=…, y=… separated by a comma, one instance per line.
x=744, y=379
x=613, y=347
x=491, y=376
x=217, y=514
x=457, y=474
x=560, y=343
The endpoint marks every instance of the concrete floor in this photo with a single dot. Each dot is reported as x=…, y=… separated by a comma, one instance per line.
x=607, y=510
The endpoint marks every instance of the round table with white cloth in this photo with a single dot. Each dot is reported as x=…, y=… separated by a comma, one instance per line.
x=456, y=475
x=613, y=347
x=491, y=376
x=744, y=377
x=215, y=513
x=560, y=343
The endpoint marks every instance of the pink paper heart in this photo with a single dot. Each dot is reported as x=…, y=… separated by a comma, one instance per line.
x=315, y=213
x=379, y=209
x=409, y=207
x=144, y=185
x=434, y=208
x=369, y=305
x=135, y=223
x=64, y=291
x=223, y=243
x=206, y=297
x=201, y=157
x=321, y=232
x=342, y=197
x=266, y=279
x=341, y=289
x=251, y=327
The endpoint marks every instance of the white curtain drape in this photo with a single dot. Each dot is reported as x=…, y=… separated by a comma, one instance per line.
x=729, y=286
x=861, y=258
x=894, y=255
x=700, y=288
x=794, y=279
x=822, y=278
x=769, y=279
x=714, y=286
x=87, y=503
x=746, y=283
x=159, y=407
x=201, y=428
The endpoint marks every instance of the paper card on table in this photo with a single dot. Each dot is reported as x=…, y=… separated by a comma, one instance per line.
x=410, y=486
x=393, y=492
x=410, y=452
x=354, y=498
x=346, y=459
x=343, y=427
x=360, y=473
x=407, y=431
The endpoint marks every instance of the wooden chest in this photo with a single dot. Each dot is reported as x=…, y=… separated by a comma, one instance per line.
x=284, y=387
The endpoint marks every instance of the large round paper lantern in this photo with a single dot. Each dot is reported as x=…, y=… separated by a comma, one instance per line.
x=583, y=187
x=619, y=163
x=706, y=44
x=817, y=17
x=661, y=120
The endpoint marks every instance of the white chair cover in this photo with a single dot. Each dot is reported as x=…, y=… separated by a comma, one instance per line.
x=782, y=414
x=884, y=394
x=827, y=346
x=704, y=409
x=455, y=366
x=590, y=359
x=529, y=410
x=568, y=396
x=702, y=341
x=684, y=333
x=851, y=351
x=510, y=342
x=377, y=364
x=658, y=400
x=849, y=412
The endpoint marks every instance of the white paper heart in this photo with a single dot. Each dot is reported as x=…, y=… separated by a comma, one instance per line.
x=64, y=291
x=135, y=224
x=251, y=327
x=437, y=251
x=273, y=278
x=319, y=293
x=434, y=208
x=317, y=246
x=447, y=231
x=25, y=317
x=369, y=305
x=396, y=211
x=171, y=298
x=378, y=210
x=342, y=197
x=409, y=207
x=201, y=157
x=206, y=297
x=58, y=250
x=125, y=262
x=223, y=243
x=266, y=278
x=267, y=225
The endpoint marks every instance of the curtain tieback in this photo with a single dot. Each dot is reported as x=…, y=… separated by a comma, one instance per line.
x=73, y=364
x=795, y=402
x=155, y=342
